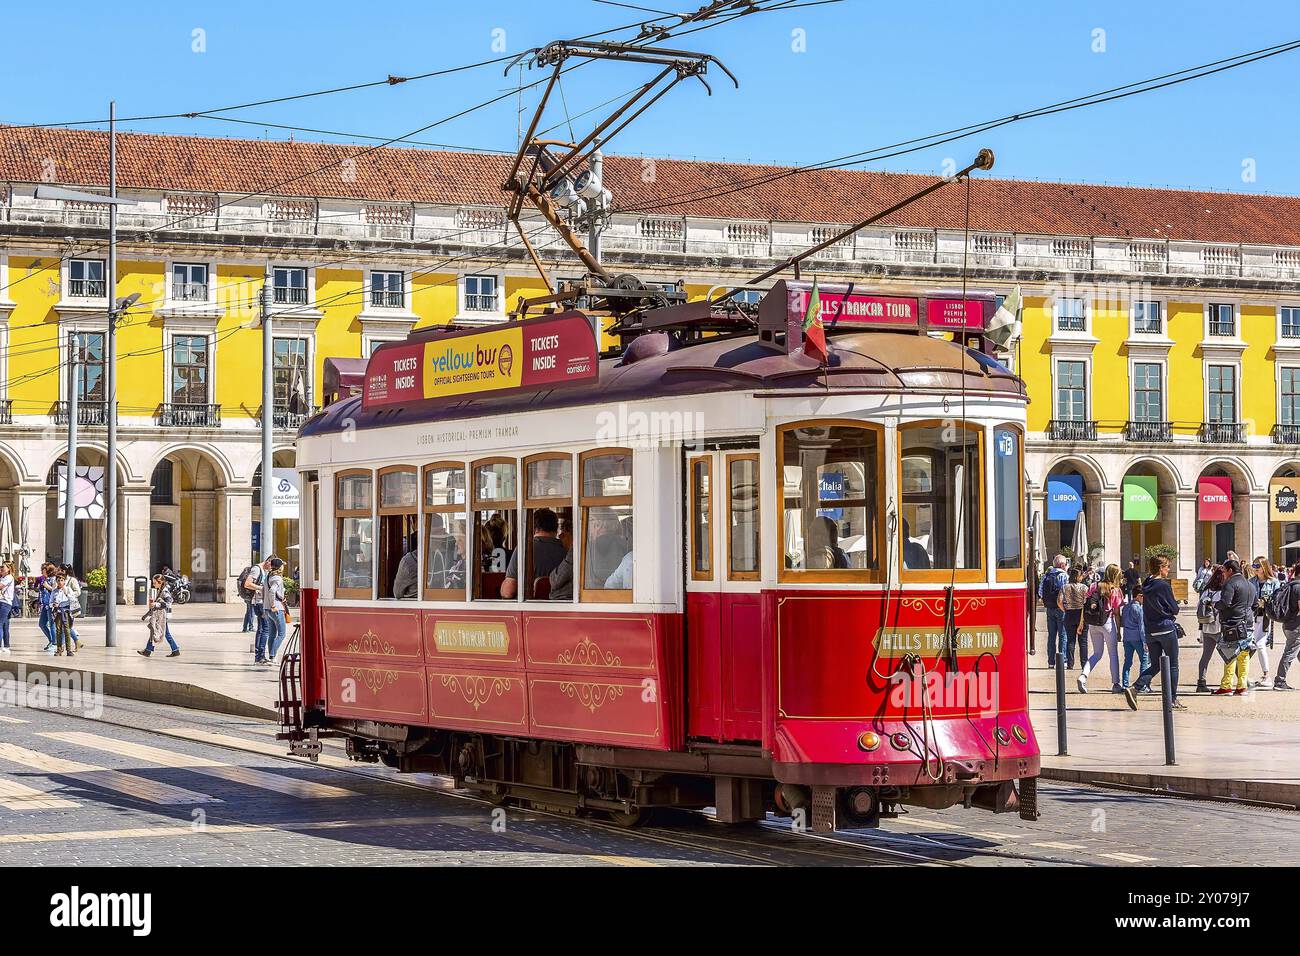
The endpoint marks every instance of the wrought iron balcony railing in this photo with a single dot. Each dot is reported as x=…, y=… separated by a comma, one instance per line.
x=6, y=411
x=182, y=415
x=1286, y=434
x=190, y=292
x=88, y=412
x=288, y=295
x=1065, y=429
x=1223, y=433
x=1148, y=431
x=387, y=299
x=283, y=418
x=1071, y=323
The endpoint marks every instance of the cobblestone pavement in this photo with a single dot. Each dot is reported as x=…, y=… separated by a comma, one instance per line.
x=146, y=784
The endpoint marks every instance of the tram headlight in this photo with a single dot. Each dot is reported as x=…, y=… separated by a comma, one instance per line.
x=1019, y=733
x=1004, y=738
x=900, y=741
x=868, y=740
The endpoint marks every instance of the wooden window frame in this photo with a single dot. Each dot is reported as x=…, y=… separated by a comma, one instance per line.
x=1003, y=575
x=478, y=504
x=691, y=461
x=377, y=493
x=551, y=502
x=832, y=575
x=757, y=573
x=364, y=594
x=532, y=504
x=601, y=595
x=976, y=575
x=442, y=594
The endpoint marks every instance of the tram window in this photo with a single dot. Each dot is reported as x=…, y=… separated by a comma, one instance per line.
x=1008, y=497
x=398, y=557
x=444, y=532
x=742, y=517
x=607, y=525
x=941, y=500
x=830, y=493
x=548, y=518
x=495, y=526
x=355, y=535
x=701, y=519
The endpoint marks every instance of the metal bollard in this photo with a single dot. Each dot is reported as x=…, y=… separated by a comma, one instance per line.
x=1062, y=748
x=1167, y=699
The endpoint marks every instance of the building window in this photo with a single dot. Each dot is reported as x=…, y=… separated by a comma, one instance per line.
x=1146, y=318
x=1290, y=322
x=289, y=286
x=1148, y=403
x=1071, y=392
x=1222, y=320
x=606, y=501
x=89, y=356
x=481, y=294
x=289, y=371
x=387, y=290
x=1071, y=316
x=1223, y=394
x=1289, y=396
x=444, y=532
x=355, y=530
x=162, y=481
x=189, y=282
x=189, y=370
x=86, y=279
x=831, y=479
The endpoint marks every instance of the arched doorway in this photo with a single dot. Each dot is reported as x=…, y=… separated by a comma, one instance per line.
x=1072, y=492
x=285, y=519
x=1148, y=511
x=89, y=544
x=1222, y=513
x=184, y=502
x=11, y=503
x=1285, y=531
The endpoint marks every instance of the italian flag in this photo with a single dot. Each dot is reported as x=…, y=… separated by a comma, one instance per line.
x=814, y=333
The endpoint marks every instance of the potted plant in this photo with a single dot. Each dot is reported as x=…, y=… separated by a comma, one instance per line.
x=291, y=592
x=92, y=593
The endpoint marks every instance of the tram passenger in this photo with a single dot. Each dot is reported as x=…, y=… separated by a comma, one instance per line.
x=406, y=582
x=562, y=580
x=548, y=551
x=915, y=557
x=824, y=549
x=606, y=547
x=444, y=559
x=621, y=579
x=495, y=554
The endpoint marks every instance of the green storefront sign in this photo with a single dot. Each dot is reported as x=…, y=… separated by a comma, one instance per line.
x=1140, y=498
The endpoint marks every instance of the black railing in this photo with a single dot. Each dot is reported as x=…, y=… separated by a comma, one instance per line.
x=282, y=417
x=287, y=295
x=1223, y=433
x=1224, y=327
x=6, y=411
x=88, y=413
x=1148, y=431
x=182, y=415
x=1071, y=323
x=387, y=299
x=1286, y=434
x=1067, y=429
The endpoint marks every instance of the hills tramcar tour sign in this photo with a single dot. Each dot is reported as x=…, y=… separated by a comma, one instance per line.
x=522, y=356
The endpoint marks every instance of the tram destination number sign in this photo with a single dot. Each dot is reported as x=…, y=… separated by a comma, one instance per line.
x=521, y=356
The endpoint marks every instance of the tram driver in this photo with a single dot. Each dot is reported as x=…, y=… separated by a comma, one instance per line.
x=406, y=583
x=548, y=552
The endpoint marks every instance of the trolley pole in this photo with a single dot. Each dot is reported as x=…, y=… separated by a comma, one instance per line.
x=268, y=421
x=1167, y=702
x=1062, y=744
x=110, y=376
x=69, y=523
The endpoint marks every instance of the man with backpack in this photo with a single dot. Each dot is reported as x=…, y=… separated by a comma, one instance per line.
x=249, y=584
x=1284, y=607
x=1049, y=592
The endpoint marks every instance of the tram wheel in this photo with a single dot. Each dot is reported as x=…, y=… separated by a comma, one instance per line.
x=628, y=820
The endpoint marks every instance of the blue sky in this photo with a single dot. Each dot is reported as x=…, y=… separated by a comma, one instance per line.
x=873, y=73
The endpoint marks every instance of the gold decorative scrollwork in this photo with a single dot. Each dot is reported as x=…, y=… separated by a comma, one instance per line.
x=591, y=696
x=587, y=653
x=477, y=691
x=371, y=643
x=375, y=681
x=935, y=605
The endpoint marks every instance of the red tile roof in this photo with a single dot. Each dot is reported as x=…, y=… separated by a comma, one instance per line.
x=670, y=187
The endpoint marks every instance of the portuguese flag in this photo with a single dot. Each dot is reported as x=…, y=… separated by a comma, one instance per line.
x=814, y=333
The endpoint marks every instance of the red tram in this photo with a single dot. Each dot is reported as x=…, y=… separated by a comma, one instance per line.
x=707, y=571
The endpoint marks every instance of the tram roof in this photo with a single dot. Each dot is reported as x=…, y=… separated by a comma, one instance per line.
x=876, y=361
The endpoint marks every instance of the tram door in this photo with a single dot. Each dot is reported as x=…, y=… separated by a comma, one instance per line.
x=723, y=610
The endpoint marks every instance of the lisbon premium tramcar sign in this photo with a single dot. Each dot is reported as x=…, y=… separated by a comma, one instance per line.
x=521, y=356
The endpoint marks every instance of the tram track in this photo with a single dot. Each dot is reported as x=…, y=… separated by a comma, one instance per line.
x=735, y=846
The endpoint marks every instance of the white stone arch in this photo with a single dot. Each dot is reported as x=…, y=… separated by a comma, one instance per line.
x=1094, y=475
x=215, y=455
x=1165, y=468
x=1244, y=479
x=124, y=472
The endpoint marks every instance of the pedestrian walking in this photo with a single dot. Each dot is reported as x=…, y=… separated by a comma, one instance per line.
x=45, y=593
x=1203, y=576
x=160, y=609
x=61, y=612
x=1160, y=619
x=1266, y=582
x=1236, y=637
x=8, y=589
x=1132, y=579
x=1133, y=632
x=1072, y=598
x=73, y=587
x=250, y=587
x=275, y=612
x=1101, y=617
x=1290, y=628
x=1208, y=622
x=1050, y=587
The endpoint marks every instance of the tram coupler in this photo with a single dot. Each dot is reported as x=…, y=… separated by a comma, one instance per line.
x=308, y=745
